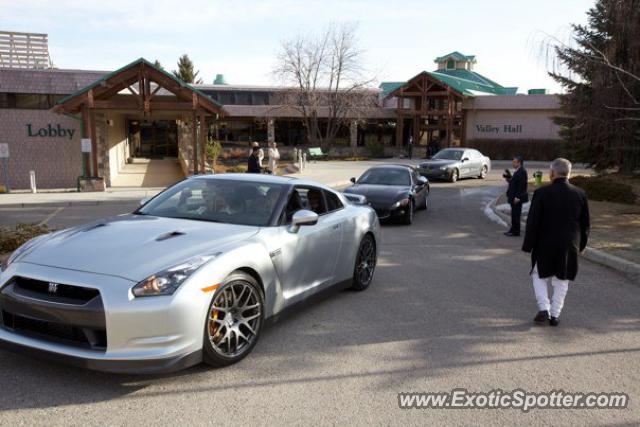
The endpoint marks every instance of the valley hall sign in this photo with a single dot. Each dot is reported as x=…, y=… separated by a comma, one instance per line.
x=50, y=131
x=491, y=129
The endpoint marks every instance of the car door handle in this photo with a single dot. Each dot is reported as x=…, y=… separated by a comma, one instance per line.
x=336, y=226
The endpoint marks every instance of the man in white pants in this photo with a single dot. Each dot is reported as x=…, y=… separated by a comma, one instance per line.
x=557, y=231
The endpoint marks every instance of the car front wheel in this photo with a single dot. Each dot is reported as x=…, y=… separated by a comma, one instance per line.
x=454, y=175
x=365, y=264
x=483, y=172
x=234, y=320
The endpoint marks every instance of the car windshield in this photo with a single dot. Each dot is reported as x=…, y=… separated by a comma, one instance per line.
x=449, y=155
x=217, y=200
x=386, y=176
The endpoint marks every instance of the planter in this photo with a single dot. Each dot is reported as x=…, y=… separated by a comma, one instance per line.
x=91, y=183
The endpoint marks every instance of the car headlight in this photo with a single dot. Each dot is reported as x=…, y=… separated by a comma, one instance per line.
x=20, y=251
x=167, y=281
x=444, y=168
x=399, y=203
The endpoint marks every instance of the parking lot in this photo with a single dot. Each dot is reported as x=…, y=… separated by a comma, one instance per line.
x=450, y=307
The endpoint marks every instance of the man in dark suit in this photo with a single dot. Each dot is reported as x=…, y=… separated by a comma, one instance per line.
x=253, y=164
x=517, y=194
x=557, y=230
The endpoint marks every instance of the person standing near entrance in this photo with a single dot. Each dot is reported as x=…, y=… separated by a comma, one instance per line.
x=253, y=164
x=260, y=152
x=274, y=156
x=517, y=194
x=410, y=147
x=557, y=230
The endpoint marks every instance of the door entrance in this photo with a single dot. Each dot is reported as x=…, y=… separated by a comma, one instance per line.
x=154, y=139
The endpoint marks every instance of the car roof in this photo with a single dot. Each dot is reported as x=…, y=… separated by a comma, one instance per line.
x=262, y=178
x=392, y=166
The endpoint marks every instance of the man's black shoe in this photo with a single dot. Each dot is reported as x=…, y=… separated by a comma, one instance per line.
x=511, y=234
x=554, y=321
x=542, y=317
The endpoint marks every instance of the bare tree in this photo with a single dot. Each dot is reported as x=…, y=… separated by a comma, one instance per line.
x=328, y=87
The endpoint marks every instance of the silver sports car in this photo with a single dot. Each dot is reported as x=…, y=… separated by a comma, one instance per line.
x=191, y=275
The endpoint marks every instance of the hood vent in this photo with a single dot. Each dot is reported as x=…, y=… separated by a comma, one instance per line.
x=169, y=235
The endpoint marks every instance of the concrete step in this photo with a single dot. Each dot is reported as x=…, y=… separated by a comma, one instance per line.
x=149, y=173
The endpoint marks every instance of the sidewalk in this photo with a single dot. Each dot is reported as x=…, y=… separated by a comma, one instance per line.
x=331, y=173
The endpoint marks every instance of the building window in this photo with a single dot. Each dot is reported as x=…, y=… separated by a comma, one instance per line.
x=451, y=64
x=28, y=101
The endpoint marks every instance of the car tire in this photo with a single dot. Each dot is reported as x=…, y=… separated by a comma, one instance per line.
x=408, y=215
x=483, y=172
x=455, y=175
x=365, y=264
x=234, y=320
x=423, y=206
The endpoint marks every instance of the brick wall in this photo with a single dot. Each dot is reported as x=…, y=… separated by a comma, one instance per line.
x=57, y=161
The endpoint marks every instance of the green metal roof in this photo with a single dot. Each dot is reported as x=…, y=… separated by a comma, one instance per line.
x=132, y=64
x=468, y=83
x=388, y=87
x=456, y=56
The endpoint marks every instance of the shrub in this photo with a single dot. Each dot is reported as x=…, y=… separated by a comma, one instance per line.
x=214, y=148
x=236, y=169
x=605, y=190
x=375, y=148
x=13, y=237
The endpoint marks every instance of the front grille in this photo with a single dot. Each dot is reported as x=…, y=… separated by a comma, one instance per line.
x=382, y=213
x=57, y=332
x=62, y=313
x=52, y=291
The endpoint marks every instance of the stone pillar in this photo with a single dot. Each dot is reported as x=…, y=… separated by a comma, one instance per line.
x=271, y=131
x=102, y=146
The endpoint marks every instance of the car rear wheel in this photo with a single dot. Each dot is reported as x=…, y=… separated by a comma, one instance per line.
x=365, y=264
x=483, y=172
x=454, y=175
x=234, y=320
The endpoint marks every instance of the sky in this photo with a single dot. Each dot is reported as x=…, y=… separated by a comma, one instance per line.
x=241, y=39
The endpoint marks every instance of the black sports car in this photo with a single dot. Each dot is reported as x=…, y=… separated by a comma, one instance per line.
x=394, y=191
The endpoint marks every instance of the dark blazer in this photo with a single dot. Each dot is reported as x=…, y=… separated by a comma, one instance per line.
x=557, y=229
x=518, y=186
x=253, y=165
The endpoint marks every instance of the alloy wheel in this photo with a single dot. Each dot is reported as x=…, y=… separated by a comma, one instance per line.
x=366, y=262
x=234, y=319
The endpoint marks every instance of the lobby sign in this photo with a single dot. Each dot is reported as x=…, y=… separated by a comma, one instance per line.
x=498, y=129
x=50, y=131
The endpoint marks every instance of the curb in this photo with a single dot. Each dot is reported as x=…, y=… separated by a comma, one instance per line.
x=594, y=255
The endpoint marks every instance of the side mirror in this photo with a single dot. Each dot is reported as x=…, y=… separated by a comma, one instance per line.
x=302, y=217
x=465, y=159
x=353, y=180
x=422, y=180
x=144, y=201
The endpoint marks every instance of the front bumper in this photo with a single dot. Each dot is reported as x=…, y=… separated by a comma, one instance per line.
x=435, y=173
x=152, y=334
x=384, y=212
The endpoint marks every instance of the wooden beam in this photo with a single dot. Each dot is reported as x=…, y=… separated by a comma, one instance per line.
x=203, y=141
x=194, y=137
x=133, y=104
x=94, y=141
x=399, y=130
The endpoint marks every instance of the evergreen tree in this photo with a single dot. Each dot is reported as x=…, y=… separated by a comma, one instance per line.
x=601, y=124
x=186, y=70
x=157, y=64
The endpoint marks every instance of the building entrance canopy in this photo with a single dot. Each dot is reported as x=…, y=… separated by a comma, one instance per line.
x=148, y=90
